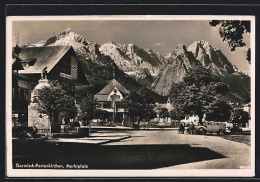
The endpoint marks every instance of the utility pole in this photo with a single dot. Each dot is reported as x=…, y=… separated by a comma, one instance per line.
x=114, y=97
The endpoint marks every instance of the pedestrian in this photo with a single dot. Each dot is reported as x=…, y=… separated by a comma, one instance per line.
x=181, y=128
x=188, y=127
x=192, y=128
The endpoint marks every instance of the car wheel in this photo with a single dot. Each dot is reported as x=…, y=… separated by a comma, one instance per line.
x=221, y=132
x=194, y=132
x=202, y=131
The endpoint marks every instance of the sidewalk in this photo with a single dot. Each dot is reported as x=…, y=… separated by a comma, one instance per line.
x=99, y=137
x=124, y=128
x=104, y=135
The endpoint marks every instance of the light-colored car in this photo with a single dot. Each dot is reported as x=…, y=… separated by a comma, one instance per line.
x=211, y=127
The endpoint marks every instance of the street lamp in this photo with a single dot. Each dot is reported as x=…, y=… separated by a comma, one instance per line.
x=114, y=97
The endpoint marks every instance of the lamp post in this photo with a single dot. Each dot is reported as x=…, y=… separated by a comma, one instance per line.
x=114, y=97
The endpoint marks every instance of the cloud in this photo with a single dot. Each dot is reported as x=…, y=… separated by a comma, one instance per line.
x=158, y=43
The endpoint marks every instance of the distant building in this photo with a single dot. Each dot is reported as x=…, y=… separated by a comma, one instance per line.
x=194, y=119
x=247, y=108
x=58, y=62
x=110, y=99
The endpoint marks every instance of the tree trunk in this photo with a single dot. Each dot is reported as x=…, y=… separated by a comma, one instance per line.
x=89, y=128
x=55, y=123
x=139, y=120
x=200, y=118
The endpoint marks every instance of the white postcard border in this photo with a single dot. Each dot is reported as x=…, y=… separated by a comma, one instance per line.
x=10, y=172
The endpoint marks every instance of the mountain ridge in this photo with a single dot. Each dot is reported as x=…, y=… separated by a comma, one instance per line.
x=152, y=70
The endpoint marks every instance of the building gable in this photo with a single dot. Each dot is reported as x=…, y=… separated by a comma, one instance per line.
x=108, y=90
x=113, y=92
x=109, y=87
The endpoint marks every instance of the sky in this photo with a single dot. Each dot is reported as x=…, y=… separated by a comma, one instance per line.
x=159, y=35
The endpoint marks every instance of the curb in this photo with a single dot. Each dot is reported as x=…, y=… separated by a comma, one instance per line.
x=114, y=140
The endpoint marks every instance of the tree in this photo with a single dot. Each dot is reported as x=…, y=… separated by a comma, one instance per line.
x=164, y=113
x=177, y=114
x=101, y=114
x=239, y=116
x=219, y=111
x=148, y=105
x=196, y=92
x=139, y=104
x=232, y=31
x=54, y=99
x=87, y=108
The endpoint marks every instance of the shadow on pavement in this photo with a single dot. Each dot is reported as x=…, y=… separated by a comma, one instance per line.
x=109, y=156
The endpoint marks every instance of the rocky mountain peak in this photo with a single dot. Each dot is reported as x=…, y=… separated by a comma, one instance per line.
x=210, y=57
x=68, y=30
x=204, y=43
x=67, y=37
x=180, y=49
x=111, y=43
x=150, y=51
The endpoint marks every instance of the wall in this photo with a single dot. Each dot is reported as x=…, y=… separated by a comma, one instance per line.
x=34, y=119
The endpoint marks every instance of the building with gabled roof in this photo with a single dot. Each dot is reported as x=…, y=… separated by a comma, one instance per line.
x=110, y=99
x=45, y=57
x=58, y=62
x=113, y=84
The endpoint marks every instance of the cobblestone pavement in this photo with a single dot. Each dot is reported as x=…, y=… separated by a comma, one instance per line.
x=237, y=155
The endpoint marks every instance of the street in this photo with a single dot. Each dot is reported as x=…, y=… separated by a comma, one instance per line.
x=235, y=155
x=145, y=149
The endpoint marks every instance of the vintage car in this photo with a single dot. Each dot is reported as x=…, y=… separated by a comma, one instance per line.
x=211, y=127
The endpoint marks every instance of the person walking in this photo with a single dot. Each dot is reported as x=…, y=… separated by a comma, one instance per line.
x=192, y=128
x=181, y=129
x=188, y=128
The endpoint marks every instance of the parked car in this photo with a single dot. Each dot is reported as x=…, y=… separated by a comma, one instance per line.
x=236, y=129
x=25, y=132
x=211, y=127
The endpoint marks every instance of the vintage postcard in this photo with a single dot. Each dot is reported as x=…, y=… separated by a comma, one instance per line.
x=130, y=96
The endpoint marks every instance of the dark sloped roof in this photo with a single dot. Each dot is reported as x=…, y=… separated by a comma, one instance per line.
x=112, y=84
x=45, y=57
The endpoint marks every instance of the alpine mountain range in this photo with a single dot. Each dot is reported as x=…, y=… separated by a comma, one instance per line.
x=136, y=67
